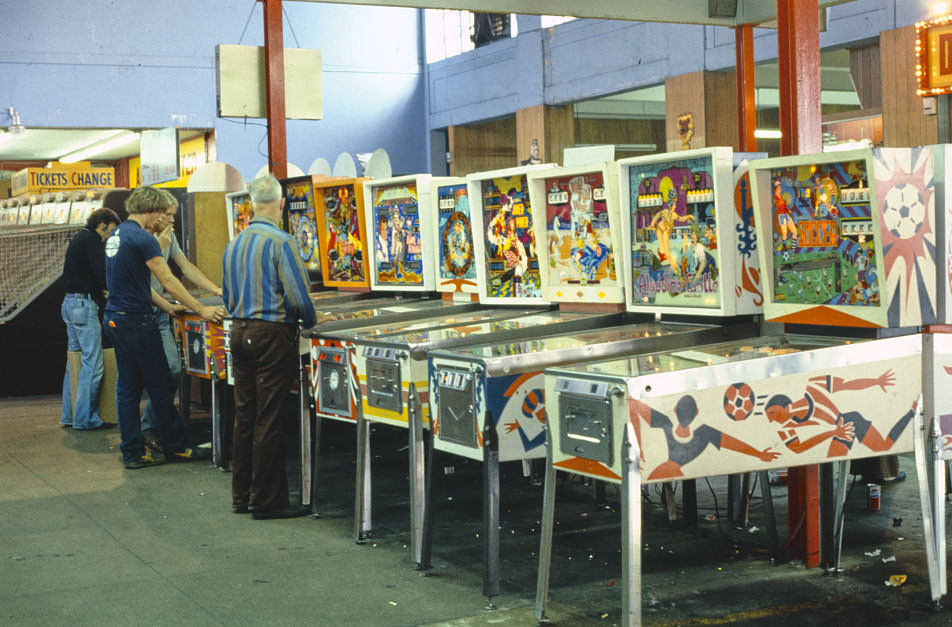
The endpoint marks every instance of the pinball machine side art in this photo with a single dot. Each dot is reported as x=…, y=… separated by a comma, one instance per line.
x=342, y=232
x=733, y=423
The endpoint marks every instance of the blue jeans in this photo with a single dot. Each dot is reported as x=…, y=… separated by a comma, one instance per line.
x=83, y=333
x=141, y=363
x=164, y=323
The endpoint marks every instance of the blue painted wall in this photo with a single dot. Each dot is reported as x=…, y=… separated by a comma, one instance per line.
x=104, y=63
x=586, y=59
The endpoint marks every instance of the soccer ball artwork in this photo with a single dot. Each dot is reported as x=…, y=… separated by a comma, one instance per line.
x=903, y=211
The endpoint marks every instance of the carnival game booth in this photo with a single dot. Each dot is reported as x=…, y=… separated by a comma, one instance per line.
x=487, y=402
x=833, y=251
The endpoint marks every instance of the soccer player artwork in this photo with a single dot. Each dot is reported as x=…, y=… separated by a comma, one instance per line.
x=398, y=251
x=299, y=199
x=509, y=239
x=340, y=222
x=674, y=234
x=851, y=238
x=578, y=235
x=456, y=271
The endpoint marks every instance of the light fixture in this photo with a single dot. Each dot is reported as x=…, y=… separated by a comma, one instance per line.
x=116, y=141
x=16, y=127
x=767, y=133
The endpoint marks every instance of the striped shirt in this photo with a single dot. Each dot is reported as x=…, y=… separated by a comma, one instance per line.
x=264, y=278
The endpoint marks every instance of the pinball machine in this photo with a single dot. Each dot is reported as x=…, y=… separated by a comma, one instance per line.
x=835, y=248
x=488, y=402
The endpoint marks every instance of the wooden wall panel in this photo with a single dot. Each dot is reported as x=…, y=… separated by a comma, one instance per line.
x=210, y=233
x=711, y=97
x=619, y=131
x=684, y=94
x=483, y=146
x=867, y=73
x=559, y=133
x=530, y=124
x=904, y=124
x=720, y=110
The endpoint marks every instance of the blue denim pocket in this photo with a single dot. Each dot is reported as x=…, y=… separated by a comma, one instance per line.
x=77, y=312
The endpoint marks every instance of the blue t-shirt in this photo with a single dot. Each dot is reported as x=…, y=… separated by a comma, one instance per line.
x=127, y=276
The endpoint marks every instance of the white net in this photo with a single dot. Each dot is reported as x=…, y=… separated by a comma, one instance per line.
x=31, y=259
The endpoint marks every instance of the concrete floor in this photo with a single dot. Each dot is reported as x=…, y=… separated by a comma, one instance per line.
x=84, y=541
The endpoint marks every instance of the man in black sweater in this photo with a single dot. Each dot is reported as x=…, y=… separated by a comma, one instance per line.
x=84, y=279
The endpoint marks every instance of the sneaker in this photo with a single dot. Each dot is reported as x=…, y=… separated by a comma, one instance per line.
x=190, y=454
x=144, y=460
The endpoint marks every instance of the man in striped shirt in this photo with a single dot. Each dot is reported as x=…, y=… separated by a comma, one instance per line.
x=265, y=289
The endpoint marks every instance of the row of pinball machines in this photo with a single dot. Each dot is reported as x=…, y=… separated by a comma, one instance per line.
x=853, y=242
x=652, y=355
x=526, y=237
x=51, y=208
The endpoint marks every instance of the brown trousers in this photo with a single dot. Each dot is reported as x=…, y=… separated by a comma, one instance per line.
x=264, y=358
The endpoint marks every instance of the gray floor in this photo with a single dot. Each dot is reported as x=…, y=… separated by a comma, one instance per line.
x=83, y=541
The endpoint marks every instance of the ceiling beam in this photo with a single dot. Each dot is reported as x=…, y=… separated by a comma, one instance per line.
x=675, y=11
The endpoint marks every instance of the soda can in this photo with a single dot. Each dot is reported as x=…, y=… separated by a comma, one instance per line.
x=873, y=492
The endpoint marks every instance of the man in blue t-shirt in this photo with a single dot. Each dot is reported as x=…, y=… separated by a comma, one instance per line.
x=133, y=255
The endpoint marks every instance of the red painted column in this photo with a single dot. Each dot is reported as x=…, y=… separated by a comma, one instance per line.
x=274, y=88
x=746, y=95
x=798, y=54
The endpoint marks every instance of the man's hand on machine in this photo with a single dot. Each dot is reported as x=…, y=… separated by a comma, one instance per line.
x=174, y=309
x=212, y=314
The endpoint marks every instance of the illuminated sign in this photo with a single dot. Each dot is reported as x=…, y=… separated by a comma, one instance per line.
x=934, y=56
x=59, y=178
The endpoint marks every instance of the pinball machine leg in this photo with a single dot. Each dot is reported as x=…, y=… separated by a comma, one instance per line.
x=426, y=548
x=490, y=511
x=770, y=518
x=315, y=460
x=417, y=476
x=218, y=453
x=744, y=514
x=828, y=511
x=931, y=511
x=842, y=477
x=938, y=498
x=545, y=536
x=362, y=499
x=631, y=531
x=306, y=436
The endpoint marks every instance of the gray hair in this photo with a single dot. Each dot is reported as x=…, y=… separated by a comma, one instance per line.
x=265, y=190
